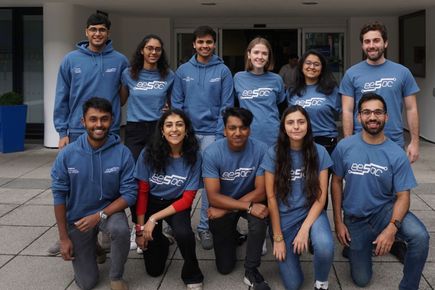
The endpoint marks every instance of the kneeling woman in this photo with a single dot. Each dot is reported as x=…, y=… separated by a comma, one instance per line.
x=296, y=185
x=168, y=171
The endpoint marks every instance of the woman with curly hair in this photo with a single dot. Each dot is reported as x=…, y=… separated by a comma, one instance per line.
x=168, y=172
x=296, y=177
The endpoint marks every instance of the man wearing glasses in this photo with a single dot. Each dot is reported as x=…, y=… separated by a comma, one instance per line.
x=93, y=69
x=389, y=79
x=376, y=197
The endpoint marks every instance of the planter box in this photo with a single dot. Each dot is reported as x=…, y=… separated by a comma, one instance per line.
x=12, y=128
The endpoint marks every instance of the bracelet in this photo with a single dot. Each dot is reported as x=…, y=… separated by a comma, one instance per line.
x=278, y=238
x=153, y=220
x=251, y=204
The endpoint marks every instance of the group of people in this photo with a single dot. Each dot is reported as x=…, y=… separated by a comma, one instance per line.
x=184, y=135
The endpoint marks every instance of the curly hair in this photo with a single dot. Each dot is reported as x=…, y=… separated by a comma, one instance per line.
x=326, y=82
x=283, y=164
x=137, y=60
x=374, y=26
x=158, y=151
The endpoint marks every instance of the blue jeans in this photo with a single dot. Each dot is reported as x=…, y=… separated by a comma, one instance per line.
x=363, y=232
x=204, y=141
x=323, y=246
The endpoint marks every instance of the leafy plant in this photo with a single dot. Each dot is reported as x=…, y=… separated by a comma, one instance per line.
x=11, y=99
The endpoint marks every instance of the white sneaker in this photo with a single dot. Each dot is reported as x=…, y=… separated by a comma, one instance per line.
x=133, y=245
x=139, y=251
x=264, y=249
x=195, y=286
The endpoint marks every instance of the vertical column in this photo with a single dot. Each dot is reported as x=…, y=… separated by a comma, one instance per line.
x=58, y=19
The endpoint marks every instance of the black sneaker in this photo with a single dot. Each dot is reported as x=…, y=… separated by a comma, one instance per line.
x=398, y=249
x=254, y=279
x=345, y=252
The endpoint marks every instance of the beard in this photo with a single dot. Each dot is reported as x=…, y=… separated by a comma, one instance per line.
x=376, y=57
x=373, y=131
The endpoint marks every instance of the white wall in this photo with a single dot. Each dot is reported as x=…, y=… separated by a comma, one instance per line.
x=425, y=99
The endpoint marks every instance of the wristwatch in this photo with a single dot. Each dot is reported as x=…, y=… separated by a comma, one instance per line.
x=103, y=215
x=396, y=223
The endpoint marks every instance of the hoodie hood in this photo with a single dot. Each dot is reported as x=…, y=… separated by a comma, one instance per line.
x=215, y=60
x=83, y=46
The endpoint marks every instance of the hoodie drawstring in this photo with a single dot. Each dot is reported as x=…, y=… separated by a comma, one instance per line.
x=101, y=176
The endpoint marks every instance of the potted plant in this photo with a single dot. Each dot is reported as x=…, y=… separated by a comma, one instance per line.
x=12, y=122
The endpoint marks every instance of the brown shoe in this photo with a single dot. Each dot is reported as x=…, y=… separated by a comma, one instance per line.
x=118, y=285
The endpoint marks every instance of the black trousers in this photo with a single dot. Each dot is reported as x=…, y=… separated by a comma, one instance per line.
x=137, y=136
x=329, y=143
x=225, y=239
x=157, y=253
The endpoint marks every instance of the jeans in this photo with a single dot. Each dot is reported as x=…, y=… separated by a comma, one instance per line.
x=137, y=136
x=323, y=247
x=225, y=238
x=157, y=252
x=204, y=141
x=85, y=265
x=363, y=232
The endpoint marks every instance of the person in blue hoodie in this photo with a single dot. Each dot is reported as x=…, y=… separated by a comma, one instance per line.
x=93, y=69
x=203, y=88
x=92, y=184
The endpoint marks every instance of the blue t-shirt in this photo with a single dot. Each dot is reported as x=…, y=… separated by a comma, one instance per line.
x=236, y=170
x=373, y=174
x=390, y=80
x=321, y=108
x=295, y=210
x=179, y=176
x=147, y=94
x=261, y=94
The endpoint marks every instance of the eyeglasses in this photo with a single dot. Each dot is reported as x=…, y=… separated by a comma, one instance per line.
x=315, y=64
x=377, y=112
x=155, y=49
x=101, y=30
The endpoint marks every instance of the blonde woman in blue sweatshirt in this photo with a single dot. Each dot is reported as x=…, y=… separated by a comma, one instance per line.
x=260, y=90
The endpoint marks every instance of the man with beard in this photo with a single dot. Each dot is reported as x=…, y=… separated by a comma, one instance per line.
x=376, y=197
x=391, y=80
x=92, y=184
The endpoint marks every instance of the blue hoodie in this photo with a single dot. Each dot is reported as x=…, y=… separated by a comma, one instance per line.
x=88, y=180
x=84, y=74
x=203, y=91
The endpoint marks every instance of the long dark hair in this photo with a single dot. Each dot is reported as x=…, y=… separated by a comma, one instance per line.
x=137, y=59
x=326, y=82
x=158, y=152
x=283, y=165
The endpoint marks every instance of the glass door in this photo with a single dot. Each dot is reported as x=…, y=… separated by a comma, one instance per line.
x=331, y=44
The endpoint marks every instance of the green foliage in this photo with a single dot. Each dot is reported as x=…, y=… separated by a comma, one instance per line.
x=11, y=99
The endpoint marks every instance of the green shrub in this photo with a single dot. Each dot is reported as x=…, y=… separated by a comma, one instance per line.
x=10, y=99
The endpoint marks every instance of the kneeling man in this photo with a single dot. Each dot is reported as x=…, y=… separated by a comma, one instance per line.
x=235, y=188
x=92, y=184
x=376, y=197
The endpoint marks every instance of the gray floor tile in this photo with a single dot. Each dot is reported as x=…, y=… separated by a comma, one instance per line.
x=40, y=246
x=134, y=274
x=35, y=273
x=428, y=273
x=44, y=198
x=428, y=218
x=417, y=203
x=4, y=180
x=29, y=183
x=14, y=239
x=386, y=276
x=429, y=199
x=425, y=188
x=5, y=208
x=4, y=259
x=33, y=215
x=39, y=173
x=17, y=196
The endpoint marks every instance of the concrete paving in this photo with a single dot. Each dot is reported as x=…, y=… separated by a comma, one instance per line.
x=27, y=229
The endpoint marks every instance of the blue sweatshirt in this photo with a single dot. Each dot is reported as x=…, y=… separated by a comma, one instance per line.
x=84, y=74
x=88, y=180
x=203, y=91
